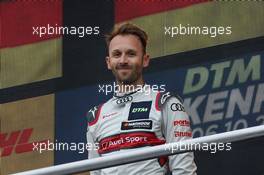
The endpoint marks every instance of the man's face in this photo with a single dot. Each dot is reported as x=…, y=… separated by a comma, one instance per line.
x=126, y=58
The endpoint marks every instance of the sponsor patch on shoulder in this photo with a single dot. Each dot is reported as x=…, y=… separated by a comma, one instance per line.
x=166, y=95
x=177, y=107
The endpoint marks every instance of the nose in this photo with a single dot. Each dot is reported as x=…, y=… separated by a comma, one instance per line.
x=123, y=59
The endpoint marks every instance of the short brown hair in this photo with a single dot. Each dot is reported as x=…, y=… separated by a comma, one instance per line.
x=129, y=29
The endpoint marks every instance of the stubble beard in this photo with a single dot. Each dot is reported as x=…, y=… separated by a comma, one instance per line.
x=131, y=79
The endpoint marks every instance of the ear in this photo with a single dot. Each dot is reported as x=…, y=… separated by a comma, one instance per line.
x=107, y=59
x=146, y=60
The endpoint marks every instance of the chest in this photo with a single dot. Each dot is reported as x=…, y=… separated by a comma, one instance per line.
x=130, y=117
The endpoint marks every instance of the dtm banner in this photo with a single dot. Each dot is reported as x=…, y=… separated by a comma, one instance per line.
x=228, y=95
x=222, y=96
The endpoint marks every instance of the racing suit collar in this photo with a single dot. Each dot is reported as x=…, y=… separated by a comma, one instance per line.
x=139, y=89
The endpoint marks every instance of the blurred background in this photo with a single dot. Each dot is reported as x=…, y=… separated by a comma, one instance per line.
x=48, y=83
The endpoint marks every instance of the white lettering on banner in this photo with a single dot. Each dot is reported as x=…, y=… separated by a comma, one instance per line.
x=242, y=73
x=192, y=108
x=237, y=72
x=230, y=126
x=215, y=109
x=229, y=95
x=237, y=100
x=259, y=99
x=219, y=72
x=214, y=104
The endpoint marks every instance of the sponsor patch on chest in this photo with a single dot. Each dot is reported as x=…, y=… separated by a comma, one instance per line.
x=140, y=124
x=139, y=110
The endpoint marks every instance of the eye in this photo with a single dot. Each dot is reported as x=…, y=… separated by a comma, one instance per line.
x=131, y=53
x=116, y=54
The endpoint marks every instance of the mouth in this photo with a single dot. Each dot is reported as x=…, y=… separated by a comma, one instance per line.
x=123, y=67
x=124, y=70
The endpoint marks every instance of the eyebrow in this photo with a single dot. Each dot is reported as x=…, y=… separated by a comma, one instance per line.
x=127, y=51
x=116, y=50
x=131, y=50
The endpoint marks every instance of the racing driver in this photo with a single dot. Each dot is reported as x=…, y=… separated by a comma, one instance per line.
x=137, y=117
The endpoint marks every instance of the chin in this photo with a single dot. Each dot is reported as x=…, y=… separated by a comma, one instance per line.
x=128, y=81
x=125, y=79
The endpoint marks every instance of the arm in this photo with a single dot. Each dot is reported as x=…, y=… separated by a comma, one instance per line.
x=92, y=152
x=176, y=127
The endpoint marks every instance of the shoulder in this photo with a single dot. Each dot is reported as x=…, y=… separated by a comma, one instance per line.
x=93, y=114
x=167, y=97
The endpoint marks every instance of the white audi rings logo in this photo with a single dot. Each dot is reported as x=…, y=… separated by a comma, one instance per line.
x=124, y=100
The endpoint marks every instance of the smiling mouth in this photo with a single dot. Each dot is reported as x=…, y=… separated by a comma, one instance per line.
x=124, y=69
x=121, y=67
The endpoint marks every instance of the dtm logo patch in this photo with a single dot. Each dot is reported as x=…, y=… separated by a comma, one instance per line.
x=139, y=110
x=140, y=124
